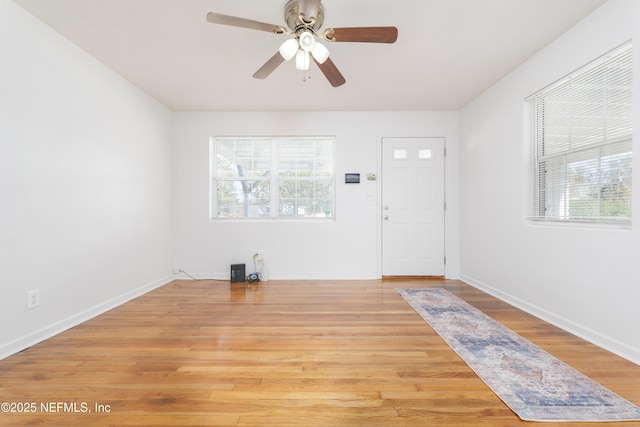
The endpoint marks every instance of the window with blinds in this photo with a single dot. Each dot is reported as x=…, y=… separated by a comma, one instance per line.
x=272, y=177
x=580, y=139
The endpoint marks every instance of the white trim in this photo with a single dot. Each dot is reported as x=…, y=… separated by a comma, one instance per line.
x=295, y=277
x=26, y=341
x=619, y=348
x=325, y=276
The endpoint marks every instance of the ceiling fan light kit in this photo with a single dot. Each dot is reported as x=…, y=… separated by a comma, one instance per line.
x=304, y=18
x=289, y=49
x=306, y=40
x=320, y=53
x=302, y=60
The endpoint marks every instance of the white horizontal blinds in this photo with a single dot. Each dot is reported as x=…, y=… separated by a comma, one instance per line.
x=581, y=142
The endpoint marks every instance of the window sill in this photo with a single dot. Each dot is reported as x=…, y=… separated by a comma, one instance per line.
x=579, y=225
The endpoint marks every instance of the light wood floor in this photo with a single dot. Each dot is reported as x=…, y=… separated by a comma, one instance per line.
x=295, y=353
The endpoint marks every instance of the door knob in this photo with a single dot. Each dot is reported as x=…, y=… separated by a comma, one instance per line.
x=386, y=217
x=386, y=207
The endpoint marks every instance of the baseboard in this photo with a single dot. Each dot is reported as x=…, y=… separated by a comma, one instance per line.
x=413, y=278
x=201, y=276
x=614, y=346
x=305, y=276
x=40, y=335
x=326, y=276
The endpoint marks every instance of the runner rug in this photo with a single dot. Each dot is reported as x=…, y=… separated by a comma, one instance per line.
x=534, y=384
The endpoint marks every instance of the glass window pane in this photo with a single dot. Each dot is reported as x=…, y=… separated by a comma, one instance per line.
x=243, y=199
x=306, y=198
x=425, y=153
x=243, y=158
x=305, y=158
x=615, y=184
x=399, y=154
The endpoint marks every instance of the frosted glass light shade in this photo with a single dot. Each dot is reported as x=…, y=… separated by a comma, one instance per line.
x=307, y=41
x=320, y=53
x=302, y=60
x=288, y=49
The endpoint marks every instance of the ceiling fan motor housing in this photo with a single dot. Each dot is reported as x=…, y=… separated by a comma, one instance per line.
x=296, y=23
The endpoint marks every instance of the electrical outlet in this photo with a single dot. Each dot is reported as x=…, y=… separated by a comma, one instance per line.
x=176, y=270
x=33, y=299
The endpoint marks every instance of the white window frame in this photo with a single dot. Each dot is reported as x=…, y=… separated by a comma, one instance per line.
x=580, y=137
x=274, y=178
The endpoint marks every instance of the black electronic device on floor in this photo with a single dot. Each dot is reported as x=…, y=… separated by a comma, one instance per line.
x=238, y=273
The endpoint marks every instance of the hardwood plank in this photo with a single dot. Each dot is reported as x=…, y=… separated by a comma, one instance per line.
x=281, y=353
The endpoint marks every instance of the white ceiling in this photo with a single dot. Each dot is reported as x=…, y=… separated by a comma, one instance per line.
x=447, y=53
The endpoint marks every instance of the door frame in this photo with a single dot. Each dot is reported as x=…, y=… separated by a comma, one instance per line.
x=379, y=223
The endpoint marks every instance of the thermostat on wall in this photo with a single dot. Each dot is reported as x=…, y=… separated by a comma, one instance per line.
x=352, y=178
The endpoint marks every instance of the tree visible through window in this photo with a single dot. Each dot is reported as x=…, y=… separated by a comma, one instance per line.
x=580, y=139
x=272, y=178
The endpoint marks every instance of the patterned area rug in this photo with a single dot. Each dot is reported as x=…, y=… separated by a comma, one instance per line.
x=534, y=384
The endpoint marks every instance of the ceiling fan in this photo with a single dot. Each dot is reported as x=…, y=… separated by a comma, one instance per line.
x=304, y=19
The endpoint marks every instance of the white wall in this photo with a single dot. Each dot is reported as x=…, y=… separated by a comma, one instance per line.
x=585, y=280
x=347, y=248
x=85, y=184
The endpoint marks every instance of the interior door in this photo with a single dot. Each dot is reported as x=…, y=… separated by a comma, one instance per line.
x=413, y=207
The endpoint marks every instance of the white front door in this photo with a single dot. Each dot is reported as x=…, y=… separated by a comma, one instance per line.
x=413, y=207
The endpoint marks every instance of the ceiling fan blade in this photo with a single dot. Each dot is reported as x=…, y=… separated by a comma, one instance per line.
x=362, y=34
x=234, y=21
x=331, y=72
x=309, y=8
x=269, y=66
